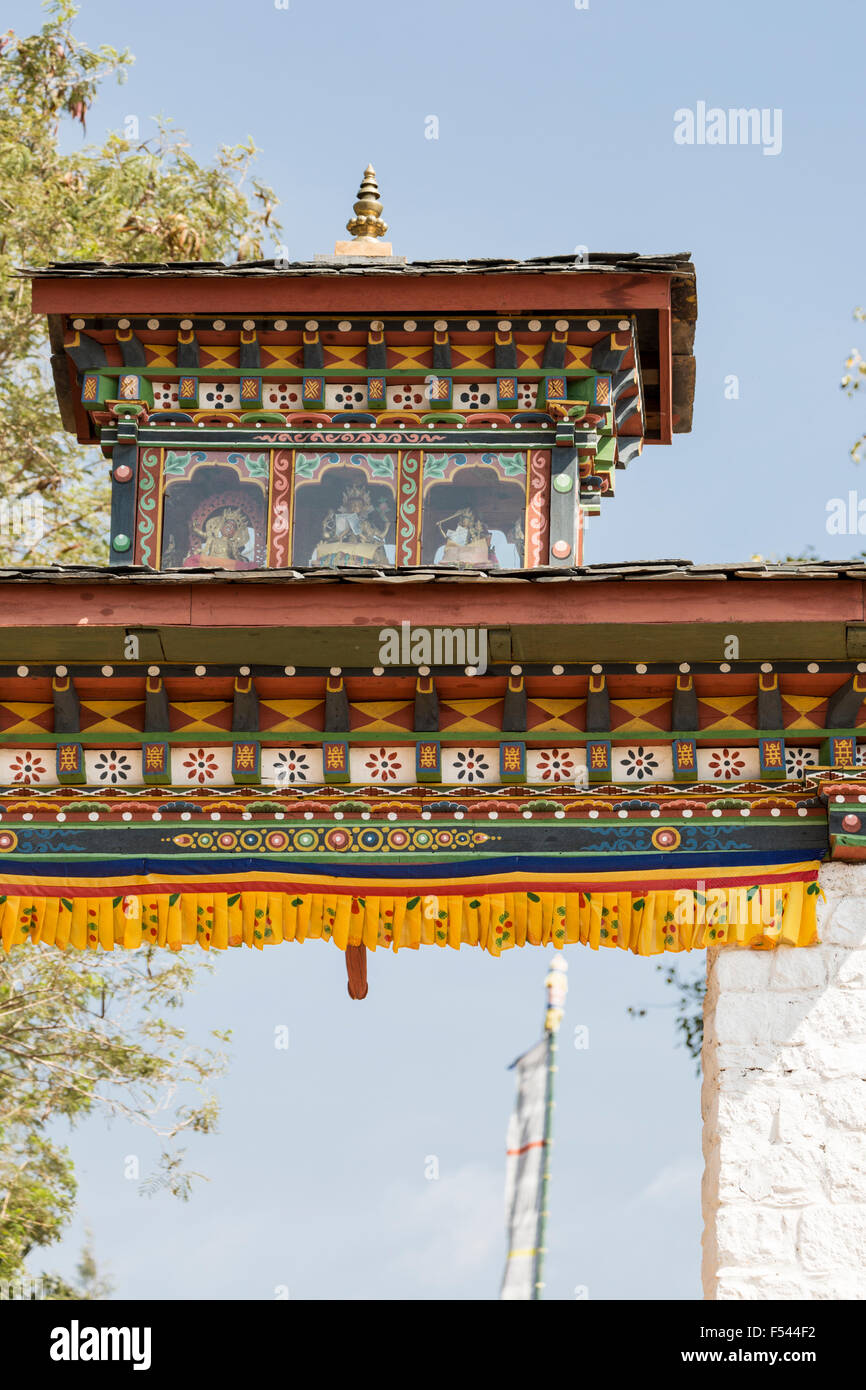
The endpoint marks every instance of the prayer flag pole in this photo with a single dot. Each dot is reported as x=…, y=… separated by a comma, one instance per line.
x=530, y=1137
x=556, y=982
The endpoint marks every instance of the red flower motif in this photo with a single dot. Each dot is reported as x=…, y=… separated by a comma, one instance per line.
x=27, y=767
x=726, y=764
x=556, y=765
x=203, y=766
x=384, y=765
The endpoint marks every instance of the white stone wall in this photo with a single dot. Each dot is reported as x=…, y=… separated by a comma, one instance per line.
x=784, y=1108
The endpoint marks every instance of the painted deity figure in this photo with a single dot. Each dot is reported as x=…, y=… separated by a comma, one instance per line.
x=353, y=533
x=467, y=542
x=223, y=541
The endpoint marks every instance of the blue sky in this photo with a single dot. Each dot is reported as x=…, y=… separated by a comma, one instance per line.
x=555, y=131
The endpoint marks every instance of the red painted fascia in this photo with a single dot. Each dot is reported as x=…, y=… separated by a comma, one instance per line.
x=39, y=603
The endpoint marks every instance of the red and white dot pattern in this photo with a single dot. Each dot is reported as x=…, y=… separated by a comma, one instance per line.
x=408, y=396
x=165, y=395
x=282, y=395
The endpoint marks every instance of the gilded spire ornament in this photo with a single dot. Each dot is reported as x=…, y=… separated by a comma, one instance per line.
x=366, y=226
x=367, y=221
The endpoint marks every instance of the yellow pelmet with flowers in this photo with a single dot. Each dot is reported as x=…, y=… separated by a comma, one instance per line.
x=768, y=906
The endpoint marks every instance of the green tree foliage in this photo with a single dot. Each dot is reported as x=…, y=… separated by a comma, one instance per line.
x=124, y=200
x=89, y=1284
x=78, y=1035
x=83, y=1035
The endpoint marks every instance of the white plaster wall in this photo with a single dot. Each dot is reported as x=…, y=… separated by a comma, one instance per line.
x=784, y=1109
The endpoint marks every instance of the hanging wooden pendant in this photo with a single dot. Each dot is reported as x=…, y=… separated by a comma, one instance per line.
x=356, y=969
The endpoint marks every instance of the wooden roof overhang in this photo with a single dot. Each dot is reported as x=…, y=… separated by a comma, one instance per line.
x=658, y=290
x=670, y=612
x=174, y=858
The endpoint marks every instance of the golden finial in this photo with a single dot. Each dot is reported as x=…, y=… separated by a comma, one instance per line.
x=367, y=225
x=367, y=221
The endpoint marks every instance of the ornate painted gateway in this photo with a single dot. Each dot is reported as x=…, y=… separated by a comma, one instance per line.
x=346, y=675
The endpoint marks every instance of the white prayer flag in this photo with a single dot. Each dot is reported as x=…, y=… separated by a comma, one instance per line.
x=523, y=1173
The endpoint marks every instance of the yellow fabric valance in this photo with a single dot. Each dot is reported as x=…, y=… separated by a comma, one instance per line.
x=660, y=915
